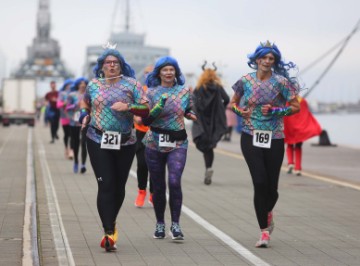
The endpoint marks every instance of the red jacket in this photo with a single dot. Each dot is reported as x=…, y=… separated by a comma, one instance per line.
x=301, y=126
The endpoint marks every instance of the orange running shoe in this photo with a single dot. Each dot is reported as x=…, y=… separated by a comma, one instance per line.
x=116, y=234
x=151, y=199
x=139, y=202
x=108, y=242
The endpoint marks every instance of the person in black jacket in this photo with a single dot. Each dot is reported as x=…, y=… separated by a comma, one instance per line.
x=210, y=101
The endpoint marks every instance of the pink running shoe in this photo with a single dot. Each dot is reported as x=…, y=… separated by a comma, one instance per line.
x=264, y=240
x=270, y=222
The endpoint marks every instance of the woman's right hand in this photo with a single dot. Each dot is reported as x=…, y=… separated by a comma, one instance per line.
x=245, y=112
x=138, y=120
x=120, y=107
x=85, y=121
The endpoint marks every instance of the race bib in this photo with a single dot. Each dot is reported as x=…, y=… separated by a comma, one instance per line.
x=262, y=138
x=76, y=116
x=111, y=140
x=164, y=141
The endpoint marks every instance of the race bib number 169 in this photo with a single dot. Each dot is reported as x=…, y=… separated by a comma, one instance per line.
x=262, y=138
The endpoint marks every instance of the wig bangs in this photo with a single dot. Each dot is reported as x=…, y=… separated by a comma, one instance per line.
x=126, y=69
x=77, y=82
x=153, y=79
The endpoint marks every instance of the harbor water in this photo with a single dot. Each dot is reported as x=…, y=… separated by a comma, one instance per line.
x=342, y=128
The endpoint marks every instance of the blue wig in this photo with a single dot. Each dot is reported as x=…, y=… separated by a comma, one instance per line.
x=66, y=83
x=75, y=86
x=153, y=78
x=263, y=49
x=126, y=69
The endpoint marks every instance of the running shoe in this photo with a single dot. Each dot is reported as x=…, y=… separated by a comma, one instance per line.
x=159, y=231
x=150, y=200
x=108, y=242
x=264, y=240
x=70, y=154
x=175, y=232
x=140, y=199
x=270, y=222
x=208, y=174
x=290, y=168
x=297, y=172
x=83, y=169
x=116, y=234
x=76, y=168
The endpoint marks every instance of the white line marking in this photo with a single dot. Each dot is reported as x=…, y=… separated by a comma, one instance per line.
x=240, y=249
x=63, y=250
x=330, y=180
x=30, y=246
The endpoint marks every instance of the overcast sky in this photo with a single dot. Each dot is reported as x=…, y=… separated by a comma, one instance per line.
x=223, y=31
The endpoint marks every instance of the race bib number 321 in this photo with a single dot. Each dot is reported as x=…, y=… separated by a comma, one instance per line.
x=262, y=138
x=111, y=140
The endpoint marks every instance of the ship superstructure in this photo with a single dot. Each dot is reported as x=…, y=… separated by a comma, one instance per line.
x=131, y=45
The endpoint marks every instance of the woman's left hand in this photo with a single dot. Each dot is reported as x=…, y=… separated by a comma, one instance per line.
x=191, y=116
x=266, y=108
x=120, y=106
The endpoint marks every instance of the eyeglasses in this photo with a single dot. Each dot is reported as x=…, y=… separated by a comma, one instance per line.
x=109, y=63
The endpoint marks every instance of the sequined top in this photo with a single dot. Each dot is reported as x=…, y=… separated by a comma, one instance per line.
x=61, y=104
x=73, y=107
x=101, y=96
x=171, y=117
x=254, y=93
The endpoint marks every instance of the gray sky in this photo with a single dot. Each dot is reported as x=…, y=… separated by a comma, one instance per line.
x=222, y=31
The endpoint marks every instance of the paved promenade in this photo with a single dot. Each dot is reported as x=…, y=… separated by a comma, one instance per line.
x=316, y=218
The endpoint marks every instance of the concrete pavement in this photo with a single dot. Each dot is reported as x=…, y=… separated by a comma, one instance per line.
x=316, y=217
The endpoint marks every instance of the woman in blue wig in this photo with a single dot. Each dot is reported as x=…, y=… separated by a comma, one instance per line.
x=110, y=102
x=166, y=141
x=65, y=117
x=73, y=110
x=260, y=99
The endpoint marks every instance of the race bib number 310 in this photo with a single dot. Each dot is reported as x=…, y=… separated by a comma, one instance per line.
x=111, y=140
x=164, y=141
x=262, y=138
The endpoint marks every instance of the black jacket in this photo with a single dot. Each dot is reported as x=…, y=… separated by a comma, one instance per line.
x=209, y=106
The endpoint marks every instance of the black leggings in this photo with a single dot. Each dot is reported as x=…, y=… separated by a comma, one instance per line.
x=209, y=158
x=54, y=123
x=66, y=129
x=264, y=165
x=142, y=169
x=78, y=137
x=111, y=168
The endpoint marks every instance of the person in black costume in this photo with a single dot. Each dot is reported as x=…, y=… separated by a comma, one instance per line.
x=210, y=101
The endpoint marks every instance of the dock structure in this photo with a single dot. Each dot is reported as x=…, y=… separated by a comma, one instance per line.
x=43, y=60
